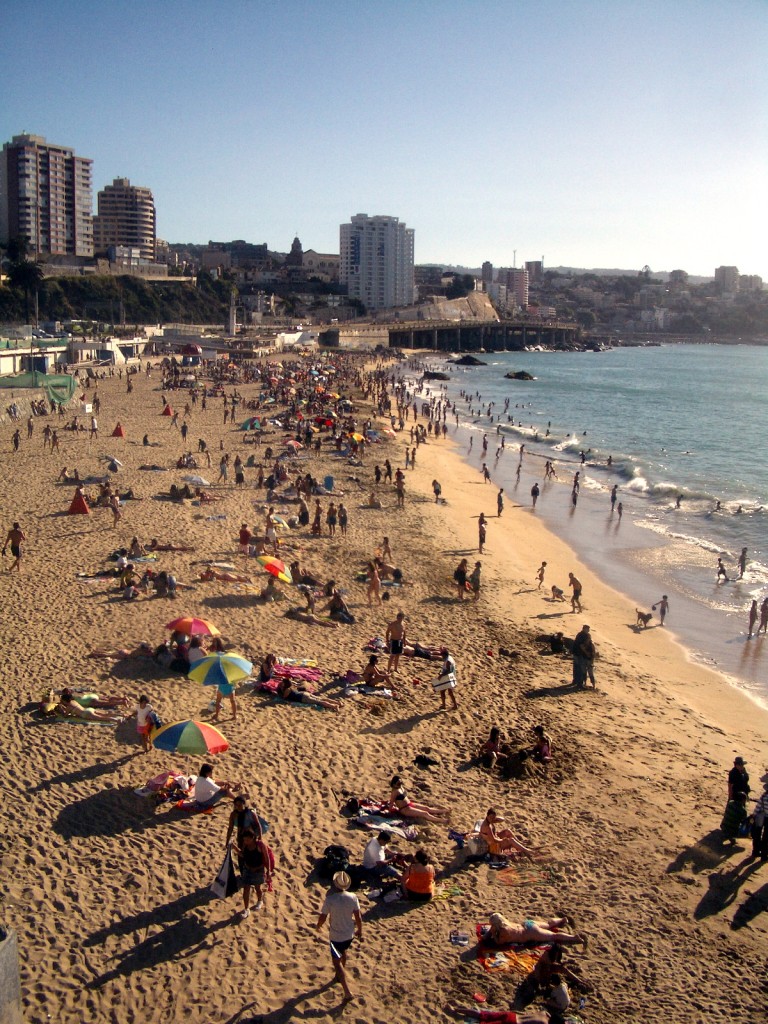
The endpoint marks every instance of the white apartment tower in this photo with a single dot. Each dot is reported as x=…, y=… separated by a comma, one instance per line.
x=376, y=262
x=46, y=196
x=126, y=217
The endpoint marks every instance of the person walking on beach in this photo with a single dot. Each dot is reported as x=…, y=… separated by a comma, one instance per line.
x=346, y=923
x=395, y=640
x=535, y=494
x=437, y=490
x=540, y=574
x=763, y=617
x=15, y=537
x=753, y=613
x=486, y=474
x=500, y=502
x=474, y=580
x=614, y=493
x=575, y=586
x=445, y=684
x=583, y=658
x=721, y=573
x=620, y=510
x=738, y=778
x=663, y=606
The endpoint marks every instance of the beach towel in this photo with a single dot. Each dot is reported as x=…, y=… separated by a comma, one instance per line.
x=375, y=823
x=309, y=675
x=72, y=720
x=519, y=959
x=298, y=662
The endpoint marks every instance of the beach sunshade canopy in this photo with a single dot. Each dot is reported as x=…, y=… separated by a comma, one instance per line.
x=252, y=423
x=296, y=445
x=190, y=737
x=119, y=431
x=357, y=437
x=197, y=481
x=276, y=568
x=220, y=668
x=193, y=627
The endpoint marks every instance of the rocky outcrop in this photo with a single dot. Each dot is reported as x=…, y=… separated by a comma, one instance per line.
x=435, y=375
x=467, y=361
x=518, y=375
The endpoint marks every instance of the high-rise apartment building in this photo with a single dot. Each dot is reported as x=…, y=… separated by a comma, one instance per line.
x=516, y=281
x=727, y=279
x=126, y=217
x=46, y=196
x=376, y=261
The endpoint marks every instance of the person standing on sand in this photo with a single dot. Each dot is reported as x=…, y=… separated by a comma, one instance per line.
x=614, y=493
x=540, y=574
x=474, y=580
x=346, y=923
x=16, y=439
x=576, y=595
x=535, y=494
x=445, y=684
x=763, y=617
x=663, y=606
x=721, y=573
x=437, y=490
x=738, y=778
x=500, y=502
x=583, y=658
x=620, y=510
x=395, y=640
x=15, y=537
x=753, y=613
x=481, y=533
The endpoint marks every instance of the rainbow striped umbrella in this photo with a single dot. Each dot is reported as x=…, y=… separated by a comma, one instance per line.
x=220, y=668
x=276, y=567
x=189, y=737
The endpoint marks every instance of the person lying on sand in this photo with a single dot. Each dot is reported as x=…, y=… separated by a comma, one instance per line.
x=205, y=497
x=309, y=618
x=155, y=545
x=93, y=700
x=297, y=694
x=71, y=709
x=503, y=932
x=224, y=575
x=427, y=651
x=143, y=650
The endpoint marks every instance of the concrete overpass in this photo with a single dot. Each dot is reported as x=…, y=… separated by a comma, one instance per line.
x=454, y=335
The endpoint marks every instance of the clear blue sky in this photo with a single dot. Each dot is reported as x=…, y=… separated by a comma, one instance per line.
x=597, y=133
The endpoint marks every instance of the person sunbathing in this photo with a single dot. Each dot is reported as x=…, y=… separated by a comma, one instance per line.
x=374, y=501
x=136, y=550
x=69, y=707
x=500, y=840
x=224, y=575
x=205, y=497
x=503, y=932
x=398, y=802
x=299, y=576
x=417, y=650
x=309, y=618
x=143, y=650
x=155, y=545
x=298, y=694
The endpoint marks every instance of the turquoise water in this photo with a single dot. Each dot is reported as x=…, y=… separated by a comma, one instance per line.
x=678, y=421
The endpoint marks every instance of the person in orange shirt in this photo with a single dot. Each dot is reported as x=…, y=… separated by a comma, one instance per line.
x=419, y=878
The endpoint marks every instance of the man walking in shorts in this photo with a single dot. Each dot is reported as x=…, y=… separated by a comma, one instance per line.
x=576, y=596
x=343, y=909
x=15, y=538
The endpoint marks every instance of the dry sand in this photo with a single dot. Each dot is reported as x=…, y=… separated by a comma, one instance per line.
x=110, y=900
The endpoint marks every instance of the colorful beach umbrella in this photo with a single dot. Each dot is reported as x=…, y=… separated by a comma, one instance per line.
x=220, y=668
x=296, y=445
x=357, y=437
x=276, y=568
x=193, y=627
x=190, y=737
x=252, y=423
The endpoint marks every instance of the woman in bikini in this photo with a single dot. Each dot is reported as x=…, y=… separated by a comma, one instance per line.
x=68, y=706
x=287, y=690
x=504, y=932
x=374, y=583
x=399, y=802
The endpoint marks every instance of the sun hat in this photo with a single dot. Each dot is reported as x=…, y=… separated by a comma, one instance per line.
x=342, y=881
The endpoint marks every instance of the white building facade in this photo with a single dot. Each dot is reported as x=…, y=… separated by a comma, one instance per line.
x=376, y=261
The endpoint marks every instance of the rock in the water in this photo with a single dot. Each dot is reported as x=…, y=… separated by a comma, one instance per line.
x=435, y=375
x=518, y=375
x=467, y=361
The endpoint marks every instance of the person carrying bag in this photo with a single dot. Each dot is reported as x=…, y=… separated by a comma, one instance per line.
x=445, y=684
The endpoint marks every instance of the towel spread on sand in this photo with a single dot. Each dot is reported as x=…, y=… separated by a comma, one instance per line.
x=376, y=823
x=518, y=959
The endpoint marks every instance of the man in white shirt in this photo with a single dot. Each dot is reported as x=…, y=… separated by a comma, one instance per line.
x=345, y=922
x=377, y=862
x=208, y=793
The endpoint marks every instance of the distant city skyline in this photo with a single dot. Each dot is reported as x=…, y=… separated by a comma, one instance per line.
x=599, y=134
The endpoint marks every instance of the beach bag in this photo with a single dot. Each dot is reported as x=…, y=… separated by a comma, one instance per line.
x=226, y=882
x=155, y=721
x=744, y=829
x=444, y=682
x=335, y=858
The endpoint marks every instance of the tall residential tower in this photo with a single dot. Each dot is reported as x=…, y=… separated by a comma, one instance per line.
x=126, y=217
x=46, y=196
x=376, y=261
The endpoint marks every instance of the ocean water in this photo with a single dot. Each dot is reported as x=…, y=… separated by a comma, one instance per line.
x=683, y=421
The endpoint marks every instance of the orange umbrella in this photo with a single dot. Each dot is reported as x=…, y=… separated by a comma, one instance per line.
x=193, y=627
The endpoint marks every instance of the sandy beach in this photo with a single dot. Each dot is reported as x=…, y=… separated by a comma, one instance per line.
x=110, y=898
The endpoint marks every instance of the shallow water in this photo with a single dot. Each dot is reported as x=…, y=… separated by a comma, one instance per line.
x=680, y=420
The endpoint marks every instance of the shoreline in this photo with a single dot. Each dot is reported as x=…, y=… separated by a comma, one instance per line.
x=110, y=899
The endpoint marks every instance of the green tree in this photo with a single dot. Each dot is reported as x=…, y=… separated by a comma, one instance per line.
x=27, y=276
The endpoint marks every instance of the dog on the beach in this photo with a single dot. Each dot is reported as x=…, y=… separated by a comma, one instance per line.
x=643, y=618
